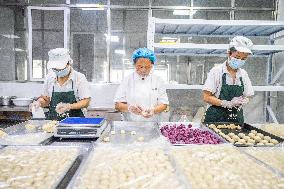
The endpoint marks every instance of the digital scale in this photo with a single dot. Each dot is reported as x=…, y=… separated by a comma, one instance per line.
x=78, y=127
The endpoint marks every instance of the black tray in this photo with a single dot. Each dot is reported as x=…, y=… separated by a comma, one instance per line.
x=245, y=128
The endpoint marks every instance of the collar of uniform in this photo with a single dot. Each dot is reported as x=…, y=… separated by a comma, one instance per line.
x=137, y=76
x=225, y=70
x=71, y=76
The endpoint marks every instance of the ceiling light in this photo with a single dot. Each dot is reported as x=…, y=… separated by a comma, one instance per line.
x=119, y=51
x=184, y=12
x=11, y=36
x=112, y=38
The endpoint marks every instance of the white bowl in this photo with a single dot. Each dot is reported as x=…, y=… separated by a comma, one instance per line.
x=22, y=101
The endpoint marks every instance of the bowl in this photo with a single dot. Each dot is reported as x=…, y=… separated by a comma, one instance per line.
x=22, y=101
x=6, y=100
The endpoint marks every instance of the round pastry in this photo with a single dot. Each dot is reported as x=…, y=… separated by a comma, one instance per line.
x=241, y=135
x=251, y=141
x=264, y=141
x=268, y=138
x=231, y=135
x=260, y=135
x=251, y=135
x=273, y=141
x=242, y=141
x=239, y=127
x=246, y=138
x=253, y=131
x=231, y=140
x=236, y=138
x=257, y=138
x=260, y=144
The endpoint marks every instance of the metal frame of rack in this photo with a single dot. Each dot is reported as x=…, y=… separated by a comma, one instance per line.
x=219, y=28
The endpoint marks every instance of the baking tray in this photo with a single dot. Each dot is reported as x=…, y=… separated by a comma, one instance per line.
x=148, y=130
x=218, y=159
x=58, y=180
x=105, y=165
x=245, y=128
x=194, y=126
x=266, y=162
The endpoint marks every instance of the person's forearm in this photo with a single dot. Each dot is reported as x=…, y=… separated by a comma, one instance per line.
x=84, y=103
x=121, y=106
x=212, y=100
x=160, y=108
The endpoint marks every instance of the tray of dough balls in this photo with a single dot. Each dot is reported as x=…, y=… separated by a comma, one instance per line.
x=273, y=157
x=138, y=167
x=123, y=132
x=189, y=133
x=273, y=128
x=223, y=167
x=37, y=166
x=245, y=135
x=32, y=132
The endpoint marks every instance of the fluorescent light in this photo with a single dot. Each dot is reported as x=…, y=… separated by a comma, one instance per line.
x=11, y=36
x=119, y=51
x=112, y=38
x=19, y=50
x=90, y=5
x=184, y=12
x=92, y=8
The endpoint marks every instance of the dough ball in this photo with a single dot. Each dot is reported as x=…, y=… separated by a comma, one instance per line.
x=242, y=141
x=264, y=141
x=30, y=127
x=231, y=135
x=251, y=135
x=257, y=138
x=253, y=131
x=251, y=141
x=260, y=135
x=260, y=144
x=246, y=138
x=140, y=139
x=236, y=138
x=274, y=141
x=268, y=138
x=241, y=135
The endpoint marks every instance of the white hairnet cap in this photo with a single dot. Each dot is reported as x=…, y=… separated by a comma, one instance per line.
x=241, y=44
x=58, y=58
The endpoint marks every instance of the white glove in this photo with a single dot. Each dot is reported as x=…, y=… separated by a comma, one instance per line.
x=148, y=113
x=35, y=104
x=235, y=102
x=61, y=108
x=136, y=109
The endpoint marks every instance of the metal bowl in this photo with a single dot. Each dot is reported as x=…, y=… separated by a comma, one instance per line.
x=22, y=101
x=6, y=100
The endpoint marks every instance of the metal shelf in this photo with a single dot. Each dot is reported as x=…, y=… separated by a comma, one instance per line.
x=193, y=49
x=198, y=27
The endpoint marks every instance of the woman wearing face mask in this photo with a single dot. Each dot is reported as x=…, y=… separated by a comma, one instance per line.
x=141, y=96
x=228, y=86
x=66, y=91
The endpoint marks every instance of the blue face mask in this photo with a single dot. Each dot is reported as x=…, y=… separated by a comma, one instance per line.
x=62, y=73
x=236, y=63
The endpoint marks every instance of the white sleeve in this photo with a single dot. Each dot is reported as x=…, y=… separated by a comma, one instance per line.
x=45, y=89
x=83, y=87
x=248, y=89
x=162, y=93
x=211, y=83
x=120, y=95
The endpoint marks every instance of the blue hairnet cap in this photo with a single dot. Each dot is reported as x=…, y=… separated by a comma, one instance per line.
x=144, y=53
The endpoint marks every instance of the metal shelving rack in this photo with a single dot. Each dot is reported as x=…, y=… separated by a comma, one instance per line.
x=218, y=28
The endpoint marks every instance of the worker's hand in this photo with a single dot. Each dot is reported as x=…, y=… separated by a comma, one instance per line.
x=136, y=109
x=61, y=108
x=148, y=113
x=34, y=105
x=244, y=100
x=234, y=103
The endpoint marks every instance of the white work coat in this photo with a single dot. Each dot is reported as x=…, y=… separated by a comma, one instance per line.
x=146, y=92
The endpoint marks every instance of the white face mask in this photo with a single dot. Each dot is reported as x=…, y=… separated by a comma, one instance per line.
x=62, y=73
x=236, y=63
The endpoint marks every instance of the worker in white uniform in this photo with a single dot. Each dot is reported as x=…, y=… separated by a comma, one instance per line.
x=66, y=92
x=228, y=86
x=141, y=96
